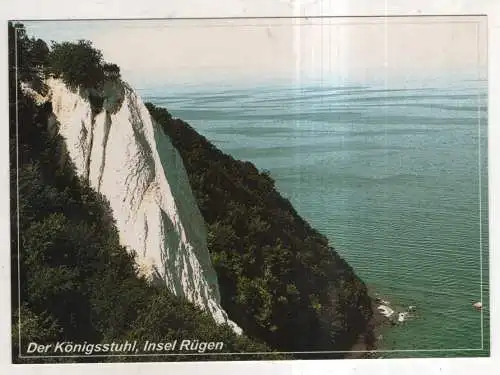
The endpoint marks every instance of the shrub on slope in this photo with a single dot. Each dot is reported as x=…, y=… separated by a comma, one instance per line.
x=279, y=278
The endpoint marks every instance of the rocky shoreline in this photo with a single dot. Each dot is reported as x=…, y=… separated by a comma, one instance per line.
x=385, y=315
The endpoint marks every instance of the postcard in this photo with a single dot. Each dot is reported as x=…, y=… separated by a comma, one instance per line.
x=233, y=189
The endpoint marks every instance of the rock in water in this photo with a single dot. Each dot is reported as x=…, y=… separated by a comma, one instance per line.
x=127, y=157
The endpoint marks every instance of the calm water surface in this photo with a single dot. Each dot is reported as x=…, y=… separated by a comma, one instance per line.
x=395, y=177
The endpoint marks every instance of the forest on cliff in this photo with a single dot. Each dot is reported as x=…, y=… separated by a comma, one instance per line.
x=279, y=278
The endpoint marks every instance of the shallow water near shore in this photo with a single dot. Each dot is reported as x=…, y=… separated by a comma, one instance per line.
x=395, y=177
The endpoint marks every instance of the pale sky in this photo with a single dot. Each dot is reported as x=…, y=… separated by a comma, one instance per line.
x=63, y=9
x=153, y=52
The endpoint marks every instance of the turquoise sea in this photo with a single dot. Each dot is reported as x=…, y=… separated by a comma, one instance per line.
x=395, y=177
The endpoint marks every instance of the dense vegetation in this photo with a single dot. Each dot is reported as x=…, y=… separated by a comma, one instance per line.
x=76, y=282
x=81, y=67
x=279, y=278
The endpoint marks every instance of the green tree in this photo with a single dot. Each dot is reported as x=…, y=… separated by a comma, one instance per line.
x=76, y=282
x=111, y=70
x=79, y=64
x=27, y=56
x=279, y=278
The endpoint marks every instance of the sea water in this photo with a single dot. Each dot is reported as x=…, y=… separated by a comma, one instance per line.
x=395, y=177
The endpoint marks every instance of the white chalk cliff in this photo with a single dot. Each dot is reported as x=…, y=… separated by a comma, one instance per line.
x=127, y=157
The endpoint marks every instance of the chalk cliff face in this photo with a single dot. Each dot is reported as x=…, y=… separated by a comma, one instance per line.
x=127, y=157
